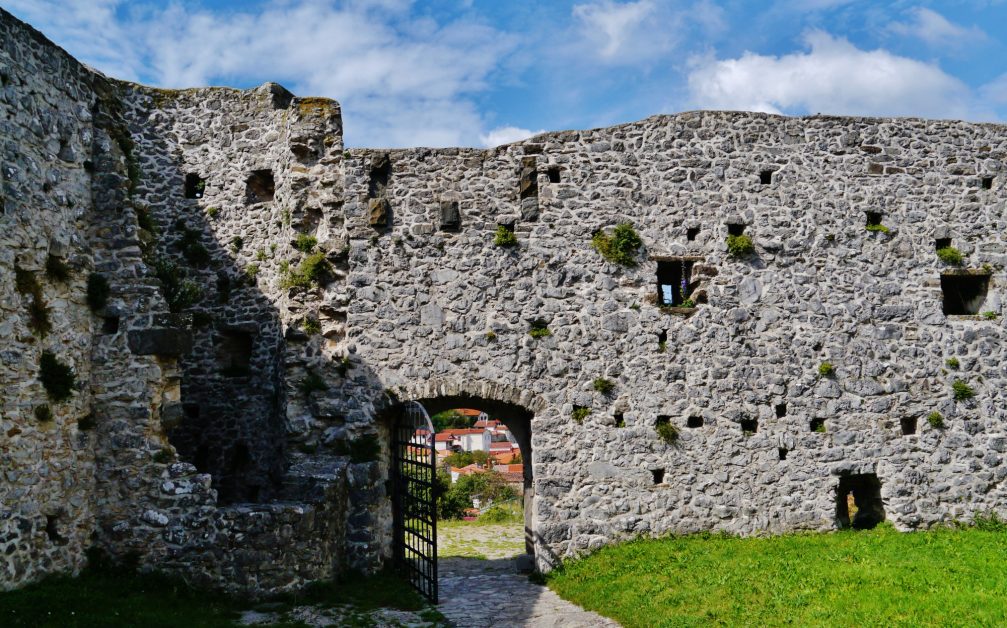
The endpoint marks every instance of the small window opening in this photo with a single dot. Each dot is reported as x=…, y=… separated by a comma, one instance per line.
x=749, y=426
x=110, y=325
x=942, y=243
x=553, y=172
x=381, y=172
x=191, y=410
x=234, y=353
x=817, y=425
x=260, y=187
x=964, y=294
x=662, y=339
x=658, y=475
x=694, y=421
x=52, y=530
x=782, y=451
x=908, y=425
x=620, y=419
x=735, y=229
x=781, y=410
x=987, y=183
x=528, y=184
x=194, y=186
x=858, y=502
x=691, y=233
x=451, y=217
x=766, y=177
x=673, y=282
x=874, y=219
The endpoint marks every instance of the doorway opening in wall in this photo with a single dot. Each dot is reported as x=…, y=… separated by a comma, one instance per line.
x=858, y=501
x=482, y=484
x=965, y=292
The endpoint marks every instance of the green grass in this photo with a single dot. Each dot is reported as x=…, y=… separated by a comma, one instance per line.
x=112, y=598
x=948, y=577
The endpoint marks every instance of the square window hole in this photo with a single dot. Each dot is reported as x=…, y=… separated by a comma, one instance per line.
x=662, y=340
x=234, y=353
x=749, y=426
x=817, y=425
x=874, y=219
x=553, y=173
x=52, y=530
x=735, y=229
x=766, y=177
x=781, y=410
x=908, y=425
x=110, y=325
x=942, y=243
x=260, y=187
x=194, y=186
x=963, y=293
x=657, y=475
x=694, y=421
x=864, y=491
x=987, y=183
x=782, y=451
x=673, y=282
x=691, y=233
x=620, y=419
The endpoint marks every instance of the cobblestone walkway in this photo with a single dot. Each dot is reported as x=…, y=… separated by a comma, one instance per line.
x=488, y=593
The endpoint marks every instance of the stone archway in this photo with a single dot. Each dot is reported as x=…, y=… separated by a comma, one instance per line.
x=514, y=407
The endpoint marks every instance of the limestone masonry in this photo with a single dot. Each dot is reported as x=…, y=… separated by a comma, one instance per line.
x=272, y=299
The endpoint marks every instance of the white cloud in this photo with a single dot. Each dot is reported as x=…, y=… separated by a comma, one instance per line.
x=833, y=77
x=402, y=79
x=935, y=29
x=506, y=135
x=626, y=32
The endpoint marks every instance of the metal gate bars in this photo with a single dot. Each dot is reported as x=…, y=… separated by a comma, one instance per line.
x=415, y=503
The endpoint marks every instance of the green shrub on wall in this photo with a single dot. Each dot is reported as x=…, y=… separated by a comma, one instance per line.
x=740, y=245
x=98, y=291
x=619, y=248
x=58, y=379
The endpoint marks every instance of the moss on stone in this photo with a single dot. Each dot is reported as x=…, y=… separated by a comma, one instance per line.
x=58, y=379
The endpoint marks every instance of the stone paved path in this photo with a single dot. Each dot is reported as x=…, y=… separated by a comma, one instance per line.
x=488, y=593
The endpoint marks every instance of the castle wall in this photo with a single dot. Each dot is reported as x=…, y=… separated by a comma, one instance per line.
x=819, y=288
x=46, y=466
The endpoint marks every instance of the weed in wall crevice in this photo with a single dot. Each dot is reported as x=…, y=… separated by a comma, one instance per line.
x=27, y=285
x=56, y=269
x=98, y=291
x=621, y=247
x=58, y=379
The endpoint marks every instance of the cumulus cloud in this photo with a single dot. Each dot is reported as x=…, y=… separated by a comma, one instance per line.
x=833, y=76
x=935, y=29
x=403, y=79
x=626, y=32
x=506, y=135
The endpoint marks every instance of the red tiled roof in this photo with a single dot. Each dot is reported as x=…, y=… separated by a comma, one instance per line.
x=462, y=431
x=443, y=438
x=468, y=411
x=501, y=446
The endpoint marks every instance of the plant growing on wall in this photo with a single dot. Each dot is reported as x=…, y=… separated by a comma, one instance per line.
x=667, y=431
x=57, y=378
x=305, y=243
x=952, y=363
x=313, y=382
x=43, y=413
x=990, y=315
x=504, y=237
x=38, y=312
x=878, y=228
x=962, y=391
x=539, y=329
x=604, y=386
x=179, y=292
x=57, y=269
x=620, y=247
x=579, y=413
x=740, y=245
x=936, y=420
x=307, y=273
x=950, y=255
x=825, y=369
x=311, y=325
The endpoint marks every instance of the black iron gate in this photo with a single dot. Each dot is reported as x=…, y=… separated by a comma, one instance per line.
x=415, y=505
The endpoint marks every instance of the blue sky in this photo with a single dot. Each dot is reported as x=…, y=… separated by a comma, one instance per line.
x=482, y=72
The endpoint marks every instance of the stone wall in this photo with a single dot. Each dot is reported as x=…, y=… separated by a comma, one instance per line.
x=274, y=296
x=46, y=462
x=819, y=288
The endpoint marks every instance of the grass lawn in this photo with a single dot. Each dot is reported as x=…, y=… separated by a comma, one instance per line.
x=110, y=598
x=869, y=578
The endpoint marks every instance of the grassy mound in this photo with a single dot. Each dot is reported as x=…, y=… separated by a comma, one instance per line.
x=876, y=578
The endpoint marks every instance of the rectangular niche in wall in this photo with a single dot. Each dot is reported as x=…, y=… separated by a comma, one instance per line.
x=451, y=217
x=194, y=186
x=964, y=293
x=260, y=187
x=673, y=279
x=908, y=425
x=234, y=352
x=865, y=490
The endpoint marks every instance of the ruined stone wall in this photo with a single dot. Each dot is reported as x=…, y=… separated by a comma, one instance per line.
x=819, y=288
x=46, y=456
